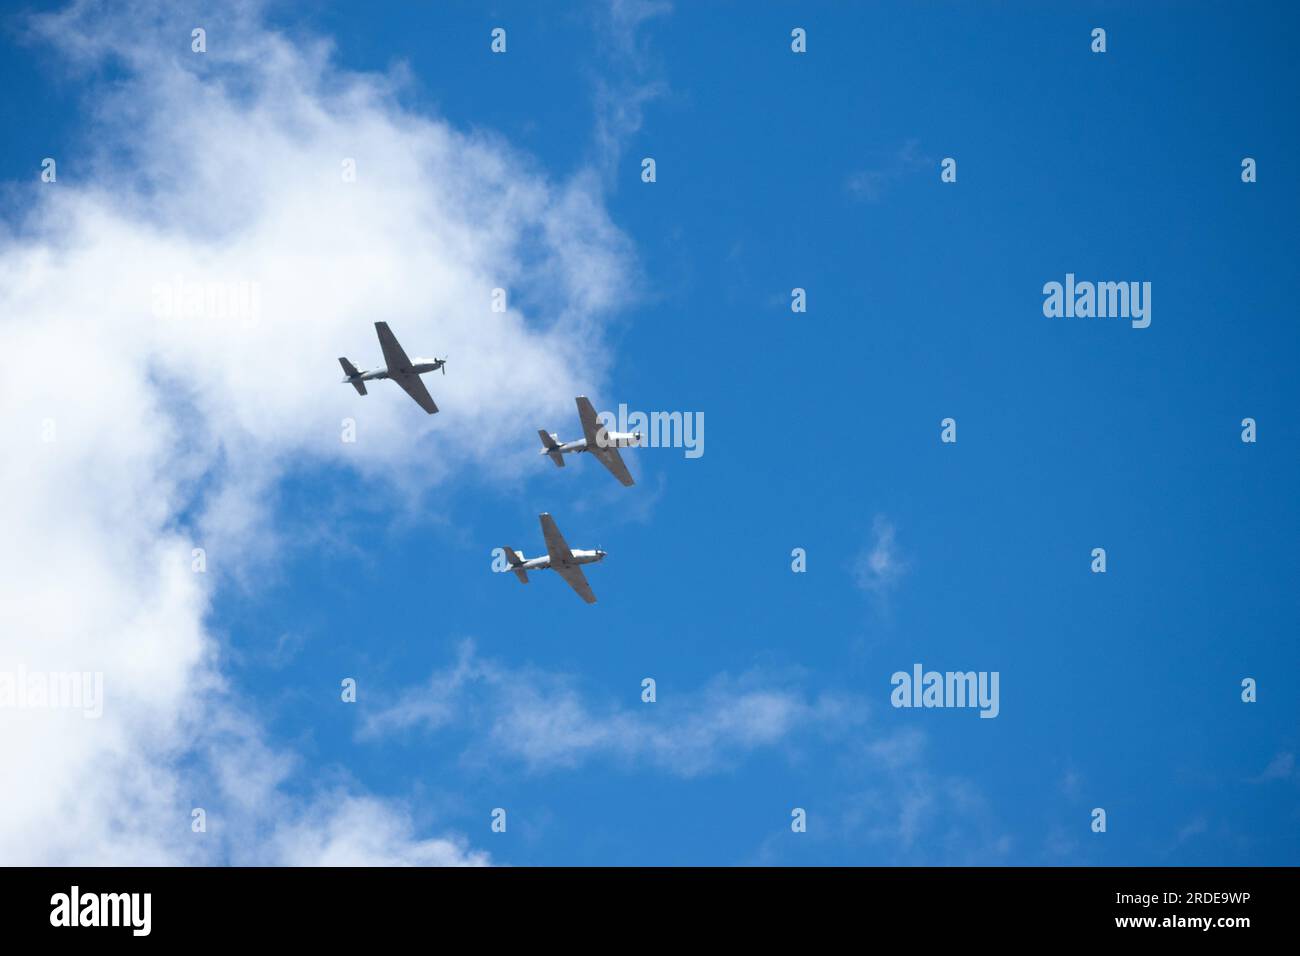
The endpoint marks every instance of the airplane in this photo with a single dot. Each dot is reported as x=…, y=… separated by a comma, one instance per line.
x=402, y=370
x=559, y=558
x=598, y=440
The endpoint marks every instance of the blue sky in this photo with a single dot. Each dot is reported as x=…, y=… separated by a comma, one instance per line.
x=821, y=171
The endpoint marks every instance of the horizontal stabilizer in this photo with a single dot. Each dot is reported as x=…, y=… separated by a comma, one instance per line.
x=351, y=372
x=551, y=447
x=516, y=560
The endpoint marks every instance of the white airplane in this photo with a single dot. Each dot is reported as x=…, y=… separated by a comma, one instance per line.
x=559, y=558
x=597, y=439
x=402, y=370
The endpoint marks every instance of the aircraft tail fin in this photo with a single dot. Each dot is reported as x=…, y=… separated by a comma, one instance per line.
x=516, y=560
x=351, y=372
x=551, y=447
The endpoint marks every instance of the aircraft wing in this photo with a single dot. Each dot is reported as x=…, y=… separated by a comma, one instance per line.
x=556, y=546
x=576, y=580
x=415, y=388
x=590, y=425
x=611, y=459
x=394, y=358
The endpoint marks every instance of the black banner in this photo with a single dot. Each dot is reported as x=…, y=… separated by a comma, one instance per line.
x=332, y=905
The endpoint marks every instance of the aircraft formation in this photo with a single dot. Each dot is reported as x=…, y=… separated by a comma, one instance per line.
x=597, y=440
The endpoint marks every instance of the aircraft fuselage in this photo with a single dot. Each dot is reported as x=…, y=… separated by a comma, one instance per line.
x=544, y=562
x=612, y=440
x=418, y=367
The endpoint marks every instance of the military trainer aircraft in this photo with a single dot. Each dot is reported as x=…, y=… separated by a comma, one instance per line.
x=402, y=370
x=597, y=439
x=559, y=558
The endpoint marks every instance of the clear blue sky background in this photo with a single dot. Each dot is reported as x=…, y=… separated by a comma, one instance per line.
x=1118, y=690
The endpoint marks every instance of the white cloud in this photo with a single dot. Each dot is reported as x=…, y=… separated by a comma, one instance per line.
x=542, y=719
x=879, y=568
x=1281, y=767
x=171, y=432
x=908, y=797
x=870, y=185
x=894, y=805
x=890, y=796
x=365, y=832
x=637, y=81
x=1071, y=782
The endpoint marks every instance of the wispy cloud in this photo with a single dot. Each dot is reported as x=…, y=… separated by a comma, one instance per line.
x=891, y=798
x=880, y=567
x=1281, y=767
x=610, y=501
x=544, y=721
x=871, y=184
x=895, y=805
x=1071, y=783
x=634, y=80
x=1195, y=827
x=364, y=831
